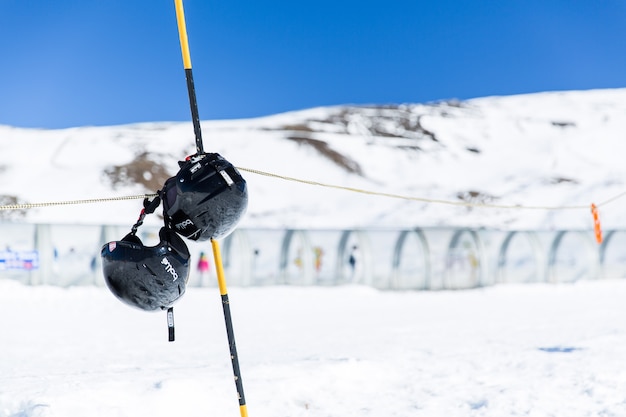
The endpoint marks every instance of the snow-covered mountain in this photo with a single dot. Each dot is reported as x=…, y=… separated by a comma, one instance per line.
x=537, y=151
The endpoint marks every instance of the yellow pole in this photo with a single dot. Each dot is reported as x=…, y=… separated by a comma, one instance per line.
x=221, y=281
x=182, y=33
x=219, y=268
x=184, y=46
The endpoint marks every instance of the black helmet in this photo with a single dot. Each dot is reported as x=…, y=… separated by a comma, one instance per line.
x=148, y=278
x=206, y=198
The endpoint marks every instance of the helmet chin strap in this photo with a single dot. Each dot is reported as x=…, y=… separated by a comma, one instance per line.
x=149, y=206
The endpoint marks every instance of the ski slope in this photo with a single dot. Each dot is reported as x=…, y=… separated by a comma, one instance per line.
x=511, y=350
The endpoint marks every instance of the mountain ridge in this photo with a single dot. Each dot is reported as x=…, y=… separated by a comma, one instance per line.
x=542, y=150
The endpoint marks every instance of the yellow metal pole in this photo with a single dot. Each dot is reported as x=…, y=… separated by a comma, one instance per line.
x=221, y=281
x=182, y=33
x=184, y=46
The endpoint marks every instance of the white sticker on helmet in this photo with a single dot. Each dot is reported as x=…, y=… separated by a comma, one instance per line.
x=184, y=224
x=169, y=268
x=195, y=168
x=227, y=178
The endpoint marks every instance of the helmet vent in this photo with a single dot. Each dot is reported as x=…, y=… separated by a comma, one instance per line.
x=149, y=270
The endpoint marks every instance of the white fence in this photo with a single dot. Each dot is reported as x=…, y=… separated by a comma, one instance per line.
x=420, y=259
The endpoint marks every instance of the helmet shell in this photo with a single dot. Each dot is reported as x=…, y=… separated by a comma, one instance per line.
x=206, y=199
x=147, y=277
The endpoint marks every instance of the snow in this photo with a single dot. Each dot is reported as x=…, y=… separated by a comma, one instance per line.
x=509, y=350
x=506, y=350
x=540, y=150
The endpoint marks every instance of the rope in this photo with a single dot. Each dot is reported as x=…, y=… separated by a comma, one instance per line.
x=72, y=202
x=325, y=185
x=427, y=200
x=612, y=199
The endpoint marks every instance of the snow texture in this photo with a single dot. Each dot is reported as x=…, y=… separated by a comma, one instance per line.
x=510, y=350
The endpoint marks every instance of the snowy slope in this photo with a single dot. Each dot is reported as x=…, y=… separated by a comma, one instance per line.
x=545, y=150
x=533, y=350
x=507, y=350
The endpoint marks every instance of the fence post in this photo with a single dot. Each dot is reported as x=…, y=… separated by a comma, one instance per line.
x=43, y=246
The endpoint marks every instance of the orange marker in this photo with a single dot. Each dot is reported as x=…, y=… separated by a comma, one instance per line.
x=596, y=223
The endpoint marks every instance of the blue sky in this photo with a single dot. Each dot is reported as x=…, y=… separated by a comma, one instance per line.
x=68, y=63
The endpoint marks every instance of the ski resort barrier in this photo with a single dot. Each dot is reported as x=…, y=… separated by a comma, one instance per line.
x=397, y=259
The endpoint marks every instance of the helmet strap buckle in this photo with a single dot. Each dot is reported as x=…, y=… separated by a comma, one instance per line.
x=170, y=323
x=149, y=205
